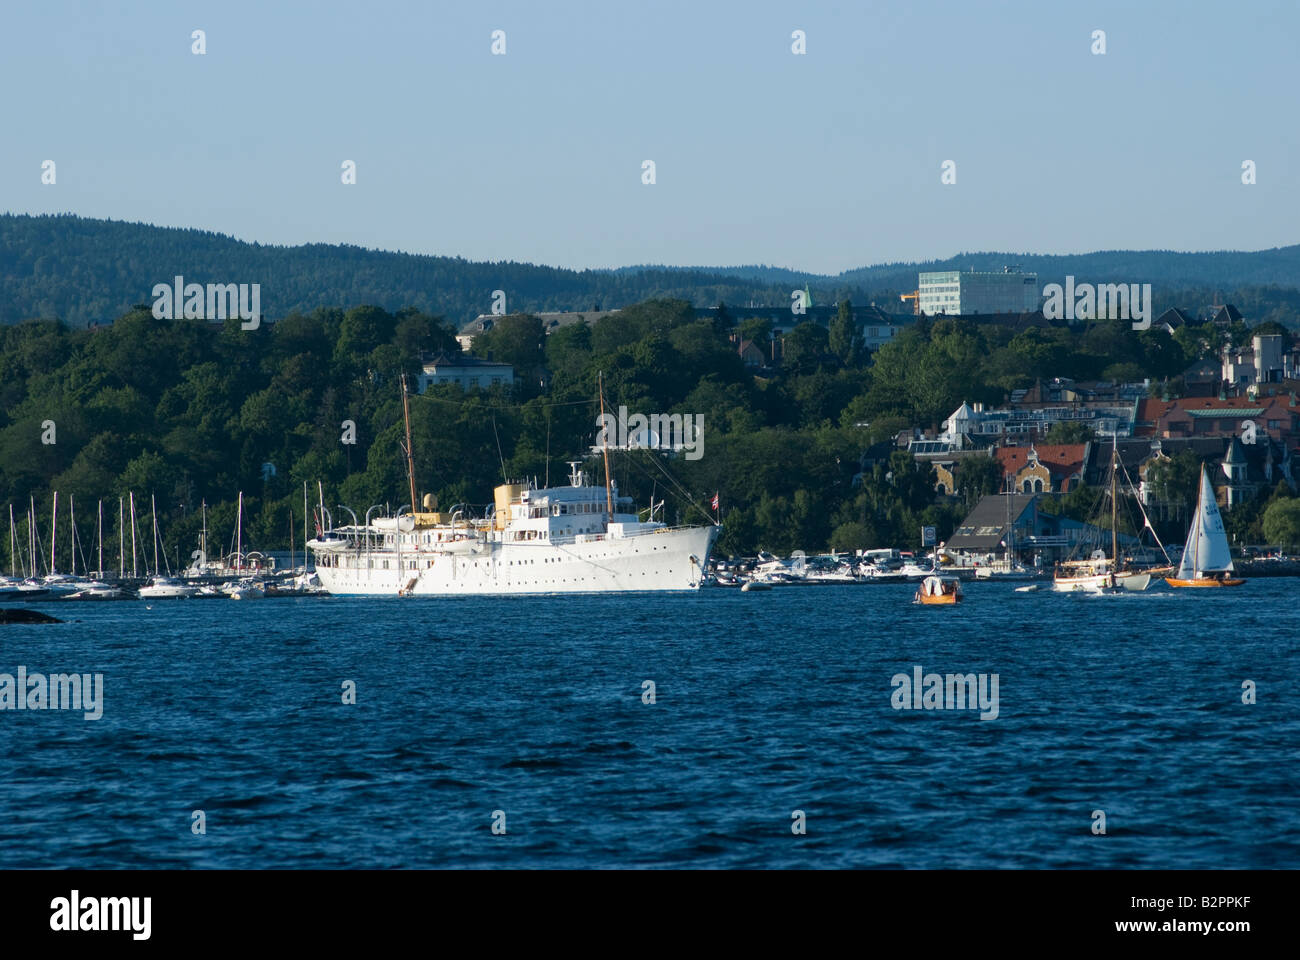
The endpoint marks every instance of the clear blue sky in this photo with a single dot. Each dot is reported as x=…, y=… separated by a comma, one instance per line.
x=822, y=162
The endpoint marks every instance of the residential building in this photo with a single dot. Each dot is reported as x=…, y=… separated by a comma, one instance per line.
x=1277, y=415
x=750, y=354
x=1016, y=524
x=1045, y=468
x=1239, y=470
x=1268, y=359
x=466, y=372
x=972, y=425
x=551, y=322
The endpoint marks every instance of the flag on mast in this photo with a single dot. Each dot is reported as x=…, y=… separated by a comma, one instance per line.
x=715, y=501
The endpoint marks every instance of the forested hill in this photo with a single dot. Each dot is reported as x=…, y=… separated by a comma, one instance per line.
x=83, y=271
x=86, y=271
x=1165, y=269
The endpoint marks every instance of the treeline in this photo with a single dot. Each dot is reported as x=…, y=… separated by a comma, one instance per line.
x=191, y=413
x=84, y=271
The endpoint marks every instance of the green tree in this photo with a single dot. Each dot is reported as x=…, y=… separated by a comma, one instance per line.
x=1282, y=522
x=975, y=477
x=844, y=338
x=1069, y=432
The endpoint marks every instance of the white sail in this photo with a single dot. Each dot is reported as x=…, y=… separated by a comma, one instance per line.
x=1207, y=548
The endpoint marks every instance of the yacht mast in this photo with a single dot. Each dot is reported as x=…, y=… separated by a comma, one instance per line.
x=410, y=454
x=100, y=537
x=604, y=447
x=54, y=529
x=72, y=514
x=121, y=540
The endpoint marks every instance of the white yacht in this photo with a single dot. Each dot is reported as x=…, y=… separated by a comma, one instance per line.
x=166, y=588
x=574, y=539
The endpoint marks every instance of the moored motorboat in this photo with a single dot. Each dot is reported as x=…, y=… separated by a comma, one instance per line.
x=166, y=588
x=96, y=591
x=247, y=590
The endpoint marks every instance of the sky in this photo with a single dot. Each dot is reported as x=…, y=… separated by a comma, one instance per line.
x=822, y=161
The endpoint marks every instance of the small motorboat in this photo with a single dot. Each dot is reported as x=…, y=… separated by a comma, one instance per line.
x=939, y=590
x=751, y=586
x=96, y=591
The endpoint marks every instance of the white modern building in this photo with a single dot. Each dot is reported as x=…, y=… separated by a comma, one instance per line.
x=971, y=425
x=1266, y=360
x=465, y=372
x=958, y=292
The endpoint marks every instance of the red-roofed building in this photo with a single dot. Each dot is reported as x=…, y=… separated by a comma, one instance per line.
x=1278, y=416
x=1043, y=468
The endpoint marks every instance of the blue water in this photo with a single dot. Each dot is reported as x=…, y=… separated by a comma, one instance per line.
x=766, y=703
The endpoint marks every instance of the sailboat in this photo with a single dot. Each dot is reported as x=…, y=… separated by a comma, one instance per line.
x=1207, y=559
x=1099, y=573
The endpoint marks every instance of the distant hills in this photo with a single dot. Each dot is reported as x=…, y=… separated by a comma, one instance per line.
x=1230, y=269
x=86, y=271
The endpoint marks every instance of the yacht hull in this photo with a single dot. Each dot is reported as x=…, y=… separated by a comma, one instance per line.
x=665, y=560
x=1103, y=583
x=1203, y=582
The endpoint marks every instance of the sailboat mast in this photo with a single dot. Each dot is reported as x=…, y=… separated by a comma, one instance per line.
x=1196, y=540
x=410, y=454
x=604, y=447
x=135, y=570
x=13, y=567
x=121, y=540
x=1114, y=507
x=100, y=537
x=72, y=515
x=239, y=533
x=153, y=511
x=54, y=529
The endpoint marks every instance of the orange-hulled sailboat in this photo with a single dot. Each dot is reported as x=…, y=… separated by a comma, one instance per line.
x=1207, y=559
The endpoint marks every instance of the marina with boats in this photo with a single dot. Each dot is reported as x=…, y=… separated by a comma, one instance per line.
x=585, y=537
x=36, y=574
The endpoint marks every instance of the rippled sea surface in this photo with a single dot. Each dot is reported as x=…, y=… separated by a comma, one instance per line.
x=766, y=703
